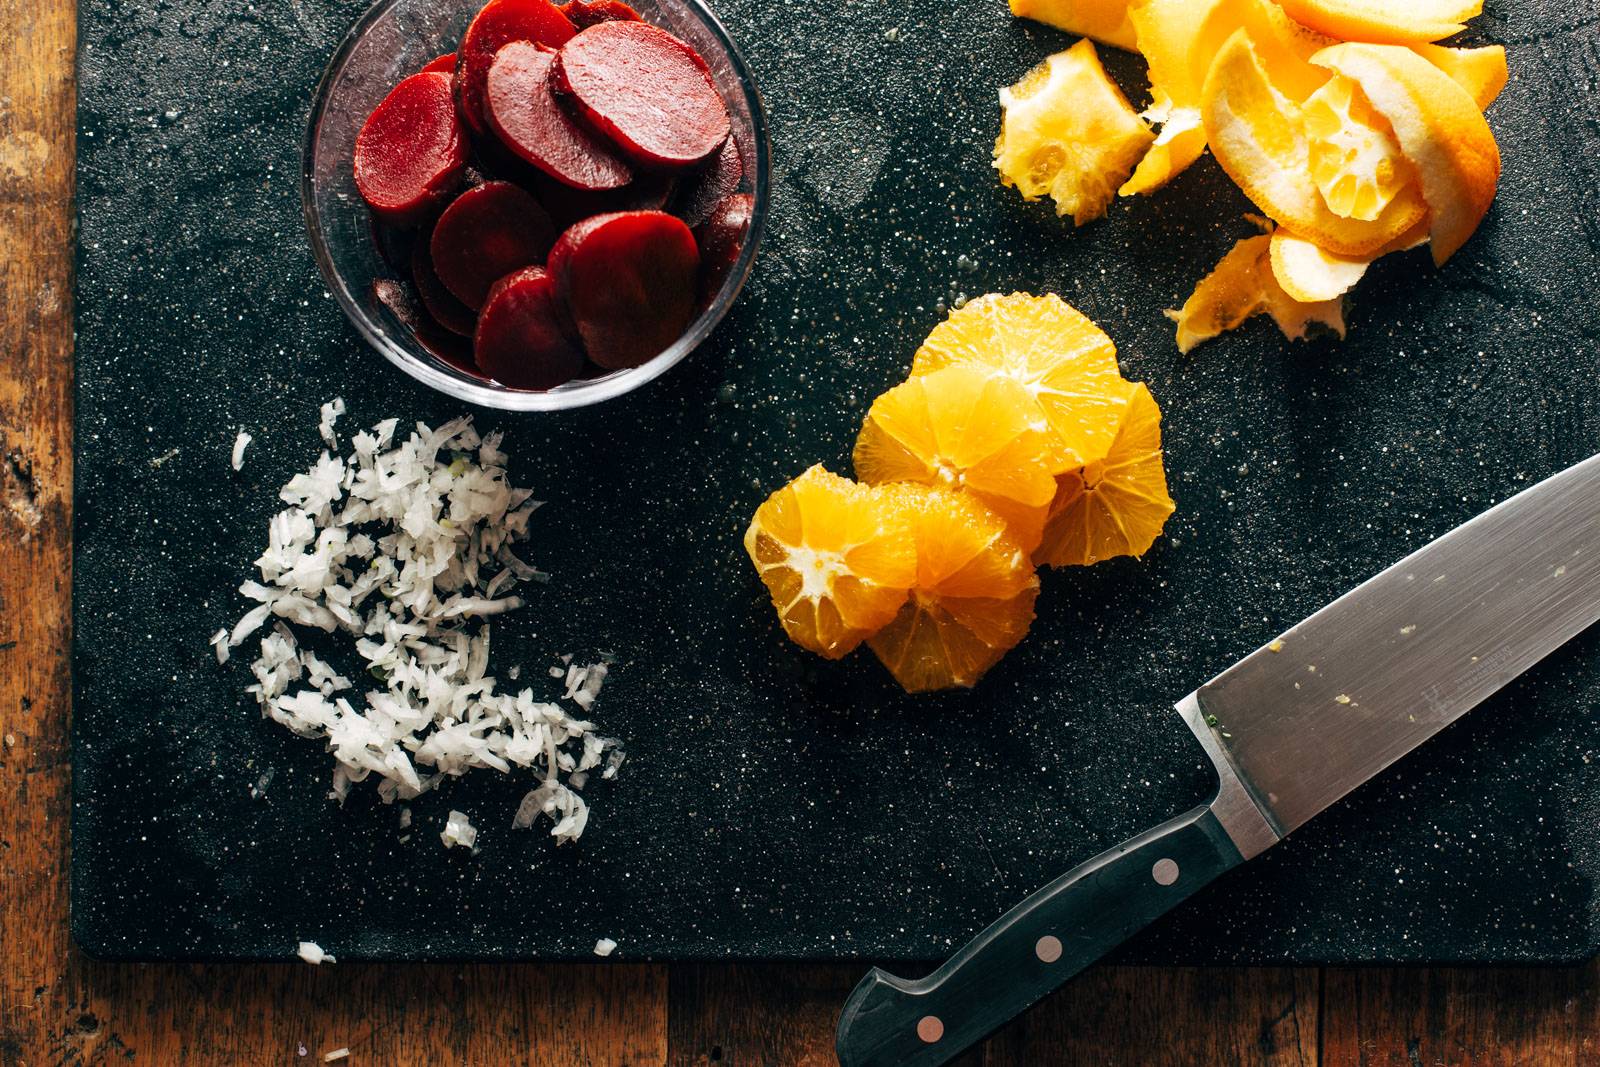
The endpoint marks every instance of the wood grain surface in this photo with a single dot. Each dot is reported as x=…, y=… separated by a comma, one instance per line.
x=57, y=1007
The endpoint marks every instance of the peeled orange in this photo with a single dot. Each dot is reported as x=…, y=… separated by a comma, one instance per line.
x=1258, y=136
x=1104, y=20
x=1114, y=506
x=1066, y=363
x=1067, y=132
x=961, y=428
x=1385, y=21
x=837, y=558
x=1440, y=129
x=972, y=599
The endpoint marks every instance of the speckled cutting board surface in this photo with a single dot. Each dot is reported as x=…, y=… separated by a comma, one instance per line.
x=774, y=806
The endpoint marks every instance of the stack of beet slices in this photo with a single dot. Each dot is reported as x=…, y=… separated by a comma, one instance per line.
x=561, y=193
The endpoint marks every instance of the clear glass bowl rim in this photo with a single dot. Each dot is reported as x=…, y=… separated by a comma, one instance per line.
x=575, y=394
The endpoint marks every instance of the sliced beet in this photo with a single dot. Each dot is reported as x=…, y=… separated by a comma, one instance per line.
x=446, y=310
x=410, y=152
x=522, y=109
x=646, y=90
x=496, y=25
x=524, y=339
x=436, y=340
x=586, y=13
x=650, y=190
x=630, y=281
x=721, y=239
x=701, y=195
x=445, y=64
x=487, y=233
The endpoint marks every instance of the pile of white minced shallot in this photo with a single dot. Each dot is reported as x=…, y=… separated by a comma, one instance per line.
x=402, y=552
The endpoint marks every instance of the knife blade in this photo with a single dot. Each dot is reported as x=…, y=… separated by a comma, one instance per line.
x=1291, y=729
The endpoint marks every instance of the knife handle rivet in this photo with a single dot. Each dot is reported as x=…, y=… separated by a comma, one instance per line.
x=1048, y=948
x=930, y=1028
x=1165, y=872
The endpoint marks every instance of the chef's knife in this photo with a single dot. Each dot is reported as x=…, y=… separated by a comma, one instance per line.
x=1291, y=729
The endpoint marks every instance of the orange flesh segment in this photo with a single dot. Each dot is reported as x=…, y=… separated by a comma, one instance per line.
x=1066, y=363
x=1067, y=132
x=973, y=598
x=1385, y=21
x=964, y=429
x=1115, y=506
x=836, y=557
x=1440, y=129
x=1257, y=136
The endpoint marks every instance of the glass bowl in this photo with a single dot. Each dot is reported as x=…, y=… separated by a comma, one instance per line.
x=394, y=39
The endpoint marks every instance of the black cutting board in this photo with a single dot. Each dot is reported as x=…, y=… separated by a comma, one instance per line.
x=775, y=806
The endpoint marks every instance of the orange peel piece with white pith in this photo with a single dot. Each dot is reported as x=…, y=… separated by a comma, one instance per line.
x=1104, y=20
x=1257, y=135
x=1482, y=72
x=1243, y=286
x=1385, y=21
x=1441, y=131
x=1164, y=30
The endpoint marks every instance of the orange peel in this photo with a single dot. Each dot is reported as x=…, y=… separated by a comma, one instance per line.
x=1104, y=20
x=1482, y=72
x=1242, y=286
x=1385, y=21
x=1355, y=160
x=1067, y=132
x=1164, y=30
x=1440, y=129
x=1309, y=274
x=1257, y=136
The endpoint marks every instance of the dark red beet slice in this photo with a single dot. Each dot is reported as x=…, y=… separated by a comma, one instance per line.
x=586, y=13
x=410, y=153
x=524, y=339
x=522, y=108
x=721, y=239
x=486, y=234
x=434, y=339
x=649, y=191
x=498, y=24
x=630, y=281
x=446, y=310
x=719, y=180
x=445, y=64
x=646, y=90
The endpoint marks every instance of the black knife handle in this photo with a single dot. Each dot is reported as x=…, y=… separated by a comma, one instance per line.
x=1033, y=948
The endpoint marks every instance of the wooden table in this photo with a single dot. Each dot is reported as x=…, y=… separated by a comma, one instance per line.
x=57, y=1007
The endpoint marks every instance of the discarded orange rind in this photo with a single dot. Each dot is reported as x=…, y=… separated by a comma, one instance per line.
x=1440, y=129
x=1385, y=21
